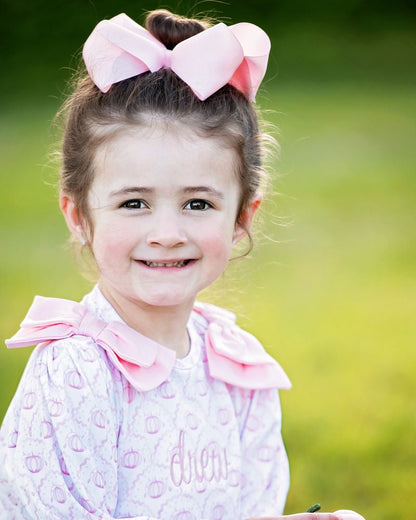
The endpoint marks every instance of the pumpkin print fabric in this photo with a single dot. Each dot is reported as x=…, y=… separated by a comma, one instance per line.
x=80, y=442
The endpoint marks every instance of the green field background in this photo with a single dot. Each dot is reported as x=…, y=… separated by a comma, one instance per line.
x=330, y=287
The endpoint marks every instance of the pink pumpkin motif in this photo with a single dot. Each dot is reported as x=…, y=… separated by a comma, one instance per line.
x=128, y=393
x=59, y=495
x=89, y=355
x=192, y=421
x=75, y=443
x=202, y=388
x=55, y=408
x=13, y=439
x=34, y=463
x=98, y=419
x=74, y=379
x=223, y=416
x=47, y=429
x=156, y=489
x=152, y=424
x=234, y=478
x=98, y=479
x=218, y=512
x=253, y=423
x=265, y=454
x=200, y=486
x=29, y=400
x=131, y=459
x=166, y=390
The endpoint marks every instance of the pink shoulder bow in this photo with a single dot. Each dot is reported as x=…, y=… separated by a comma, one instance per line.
x=234, y=356
x=144, y=363
x=119, y=48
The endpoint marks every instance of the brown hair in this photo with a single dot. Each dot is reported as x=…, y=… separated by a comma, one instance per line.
x=93, y=117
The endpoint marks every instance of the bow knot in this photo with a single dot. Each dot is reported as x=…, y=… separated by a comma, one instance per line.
x=90, y=326
x=167, y=62
x=119, y=48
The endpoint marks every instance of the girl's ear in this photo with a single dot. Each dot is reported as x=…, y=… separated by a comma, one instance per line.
x=72, y=217
x=245, y=219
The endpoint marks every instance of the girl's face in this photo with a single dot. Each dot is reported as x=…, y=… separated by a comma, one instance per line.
x=164, y=205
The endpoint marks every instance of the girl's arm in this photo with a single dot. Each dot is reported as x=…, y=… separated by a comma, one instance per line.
x=59, y=437
x=58, y=441
x=264, y=462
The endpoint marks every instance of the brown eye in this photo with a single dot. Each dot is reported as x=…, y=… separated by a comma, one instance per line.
x=133, y=204
x=198, y=205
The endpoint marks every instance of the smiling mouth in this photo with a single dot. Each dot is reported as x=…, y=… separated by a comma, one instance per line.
x=181, y=263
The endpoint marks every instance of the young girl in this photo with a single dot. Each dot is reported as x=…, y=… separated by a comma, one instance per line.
x=139, y=402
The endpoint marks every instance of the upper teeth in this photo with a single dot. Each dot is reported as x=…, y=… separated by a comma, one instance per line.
x=167, y=264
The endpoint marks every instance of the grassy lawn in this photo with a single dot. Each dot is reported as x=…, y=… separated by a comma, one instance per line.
x=330, y=288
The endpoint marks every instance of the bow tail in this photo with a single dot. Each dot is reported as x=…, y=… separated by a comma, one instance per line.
x=253, y=377
x=143, y=378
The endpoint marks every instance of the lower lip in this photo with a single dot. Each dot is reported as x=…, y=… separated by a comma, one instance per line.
x=170, y=269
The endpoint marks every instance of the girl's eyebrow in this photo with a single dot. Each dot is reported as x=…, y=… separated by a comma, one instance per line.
x=204, y=189
x=189, y=189
x=130, y=189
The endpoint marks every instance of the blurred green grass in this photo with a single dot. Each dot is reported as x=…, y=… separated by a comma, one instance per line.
x=330, y=288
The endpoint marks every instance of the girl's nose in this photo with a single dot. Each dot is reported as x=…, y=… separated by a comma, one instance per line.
x=166, y=232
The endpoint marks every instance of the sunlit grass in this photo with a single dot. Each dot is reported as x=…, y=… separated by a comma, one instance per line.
x=332, y=295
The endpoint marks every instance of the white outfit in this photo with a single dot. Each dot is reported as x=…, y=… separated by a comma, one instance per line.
x=80, y=442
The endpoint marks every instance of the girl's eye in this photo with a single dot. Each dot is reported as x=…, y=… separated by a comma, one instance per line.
x=133, y=204
x=198, y=205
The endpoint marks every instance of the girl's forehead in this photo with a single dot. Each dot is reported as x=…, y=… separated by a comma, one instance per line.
x=162, y=153
x=159, y=128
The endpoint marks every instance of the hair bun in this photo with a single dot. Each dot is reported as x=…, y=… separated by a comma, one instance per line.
x=170, y=29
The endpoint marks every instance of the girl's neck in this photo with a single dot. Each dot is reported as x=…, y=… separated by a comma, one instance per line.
x=165, y=325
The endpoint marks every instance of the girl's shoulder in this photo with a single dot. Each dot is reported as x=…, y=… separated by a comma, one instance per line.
x=76, y=363
x=69, y=332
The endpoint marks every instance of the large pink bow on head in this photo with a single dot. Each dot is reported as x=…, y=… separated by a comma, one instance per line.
x=119, y=48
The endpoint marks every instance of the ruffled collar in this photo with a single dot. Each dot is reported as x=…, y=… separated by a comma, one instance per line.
x=234, y=356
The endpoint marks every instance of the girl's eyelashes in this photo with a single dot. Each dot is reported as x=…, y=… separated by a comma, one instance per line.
x=134, y=204
x=193, y=205
x=198, y=205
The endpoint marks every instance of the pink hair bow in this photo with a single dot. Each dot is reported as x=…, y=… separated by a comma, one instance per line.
x=120, y=48
x=234, y=356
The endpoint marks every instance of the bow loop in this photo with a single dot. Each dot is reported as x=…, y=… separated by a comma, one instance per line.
x=224, y=339
x=256, y=47
x=199, y=62
x=236, y=356
x=119, y=49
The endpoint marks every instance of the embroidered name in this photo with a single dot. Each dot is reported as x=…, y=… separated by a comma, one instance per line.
x=203, y=465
